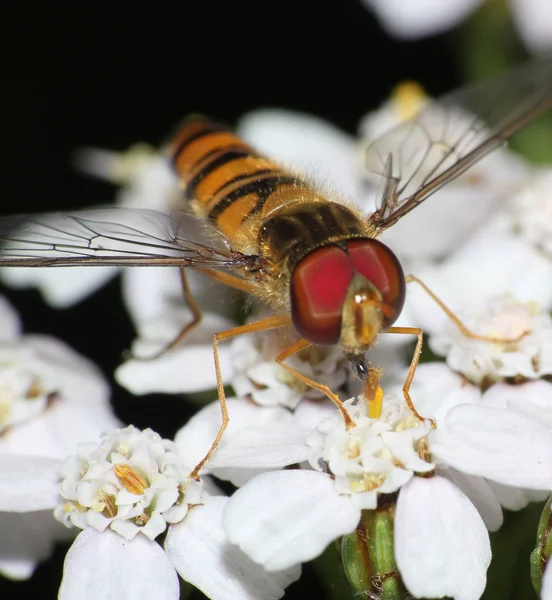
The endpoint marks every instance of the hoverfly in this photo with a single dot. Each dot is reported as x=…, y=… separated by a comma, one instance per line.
x=314, y=260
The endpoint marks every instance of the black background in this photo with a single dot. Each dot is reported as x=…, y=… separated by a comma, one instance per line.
x=107, y=76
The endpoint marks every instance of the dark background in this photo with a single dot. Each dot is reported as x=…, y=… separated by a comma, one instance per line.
x=109, y=77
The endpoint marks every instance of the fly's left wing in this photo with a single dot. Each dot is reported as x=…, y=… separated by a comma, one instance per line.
x=450, y=135
x=115, y=237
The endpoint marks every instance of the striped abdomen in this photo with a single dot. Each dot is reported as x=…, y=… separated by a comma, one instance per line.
x=230, y=184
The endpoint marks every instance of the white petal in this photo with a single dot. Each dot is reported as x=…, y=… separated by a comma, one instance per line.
x=533, y=398
x=17, y=569
x=28, y=483
x=502, y=445
x=184, y=370
x=305, y=143
x=436, y=389
x=27, y=538
x=202, y=556
x=262, y=447
x=482, y=495
x=195, y=438
x=514, y=498
x=187, y=368
x=10, y=323
x=311, y=412
x=442, y=547
x=283, y=518
x=105, y=565
x=419, y=18
x=62, y=287
x=58, y=431
x=534, y=22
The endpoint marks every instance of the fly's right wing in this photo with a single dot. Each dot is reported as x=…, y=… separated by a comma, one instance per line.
x=451, y=134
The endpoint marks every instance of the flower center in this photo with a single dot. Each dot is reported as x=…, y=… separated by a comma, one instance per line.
x=376, y=456
x=133, y=481
x=24, y=387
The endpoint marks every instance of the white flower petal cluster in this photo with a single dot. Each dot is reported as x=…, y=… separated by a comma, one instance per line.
x=50, y=399
x=132, y=482
x=257, y=375
x=376, y=456
x=473, y=448
x=504, y=318
x=408, y=19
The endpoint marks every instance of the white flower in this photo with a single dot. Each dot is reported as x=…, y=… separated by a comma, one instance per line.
x=410, y=19
x=441, y=389
x=285, y=517
x=257, y=375
x=132, y=482
x=123, y=492
x=504, y=318
x=376, y=456
x=50, y=399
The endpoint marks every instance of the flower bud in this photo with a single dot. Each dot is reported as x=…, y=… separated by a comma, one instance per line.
x=368, y=556
x=541, y=554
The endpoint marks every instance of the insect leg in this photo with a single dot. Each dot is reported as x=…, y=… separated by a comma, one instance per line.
x=196, y=318
x=265, y=324
x=413, y=364
x=225, y=278
x=465, y=331
x=297, y=347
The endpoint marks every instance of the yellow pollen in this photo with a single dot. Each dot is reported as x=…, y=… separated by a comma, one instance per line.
x=423, y=450
x=69, y=507
x=34, y=391
x=368, y=483
x=142, y=519
x=375, y=404
x=105, y=504
x=408, y=98
x=130, y=479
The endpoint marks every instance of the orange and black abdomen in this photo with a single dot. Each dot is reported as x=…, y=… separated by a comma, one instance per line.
x=227, y=181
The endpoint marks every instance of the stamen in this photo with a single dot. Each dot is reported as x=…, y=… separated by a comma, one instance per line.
x=130, y=480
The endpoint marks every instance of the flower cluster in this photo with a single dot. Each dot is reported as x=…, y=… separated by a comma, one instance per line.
x=307, y=472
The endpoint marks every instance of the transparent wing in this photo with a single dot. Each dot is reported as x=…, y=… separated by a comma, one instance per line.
x=451, y=134
x=115, y=236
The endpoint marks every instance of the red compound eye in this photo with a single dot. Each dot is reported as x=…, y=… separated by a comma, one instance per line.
x=318, y=288
x=380, y=266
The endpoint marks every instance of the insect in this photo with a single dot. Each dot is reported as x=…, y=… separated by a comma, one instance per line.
x=315, y=260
